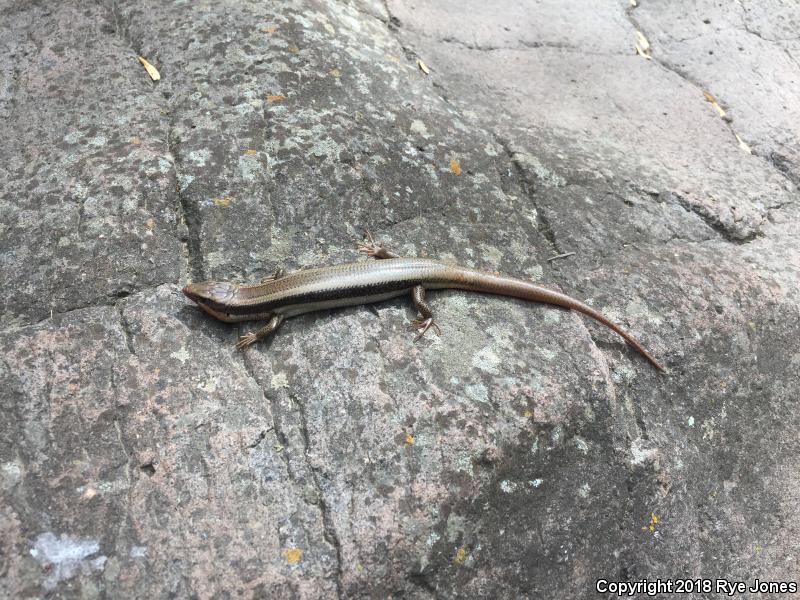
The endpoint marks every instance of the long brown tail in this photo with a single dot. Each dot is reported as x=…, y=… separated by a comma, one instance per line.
x=508, y=286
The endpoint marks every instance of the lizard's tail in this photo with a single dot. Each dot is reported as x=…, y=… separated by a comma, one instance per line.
x=479, y=281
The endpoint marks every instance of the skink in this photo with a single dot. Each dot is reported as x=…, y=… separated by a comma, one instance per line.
x=286, y=295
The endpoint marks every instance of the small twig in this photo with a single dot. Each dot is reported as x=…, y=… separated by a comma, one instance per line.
x=566, y=254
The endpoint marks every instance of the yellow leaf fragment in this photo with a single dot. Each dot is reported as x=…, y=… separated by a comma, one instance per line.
x=135, y=140
x=743, y=145
x=713, y=101
x=461, y=556
x=293, y=555
x=293, y=49
x=335, y=72
x=151, y=70
x=150, y=223
x=455, y=168
x=409, y=439
x=270, y=29
x=225, y=201
x=527, y=414
x=251, y=152
x=423, y=67
x=276, y=98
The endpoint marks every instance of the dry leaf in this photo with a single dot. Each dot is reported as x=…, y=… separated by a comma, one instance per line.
x=335, y=73
x=251, y=152
x=710, y=98
x=135, y=140
x=455, y=168
x=743, y=145
x=223, y=201
x=409, y=439
x=423, y=67
x=293, y=49
x=151, y=70
x=461, y=556
x=271, y=29
x=276, y=98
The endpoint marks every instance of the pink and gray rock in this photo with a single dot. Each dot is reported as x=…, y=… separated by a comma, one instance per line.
x=524, y=453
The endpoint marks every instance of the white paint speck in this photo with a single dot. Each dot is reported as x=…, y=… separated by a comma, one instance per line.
x=690, y=421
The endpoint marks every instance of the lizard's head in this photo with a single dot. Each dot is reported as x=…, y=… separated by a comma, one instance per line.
x=211, y=296
x=218, y=292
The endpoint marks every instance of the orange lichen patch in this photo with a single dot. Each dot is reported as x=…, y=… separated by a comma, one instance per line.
x=223, y=201
x=293, y=555
x=455, y=167
x=460, y=557
x=251, y=152
x=135, y=140
x=270, y=29
x=151, y=70
x=276, y=98
x=651, y=526
x=409, y=439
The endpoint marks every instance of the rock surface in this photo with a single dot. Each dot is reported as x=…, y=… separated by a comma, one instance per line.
x=524, y=453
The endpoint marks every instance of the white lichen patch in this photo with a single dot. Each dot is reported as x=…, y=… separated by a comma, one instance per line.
x=250, y=168
x=491, y=255
x=279, y=380
x=477, y=392
x=10, y=474
x=199, y=158
x=542, y=173
x=418, y=128
x=65, y=557
x=487, y=360
x=182, y=355
x=508, y=487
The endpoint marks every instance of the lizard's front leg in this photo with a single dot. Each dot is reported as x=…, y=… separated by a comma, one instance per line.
x=250, y=337
x=374, y=248
x=426, y=322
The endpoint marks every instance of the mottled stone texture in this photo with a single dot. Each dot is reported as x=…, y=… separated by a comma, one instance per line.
x=525, y=452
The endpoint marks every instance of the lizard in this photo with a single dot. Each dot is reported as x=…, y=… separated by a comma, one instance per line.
x=285, y=295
